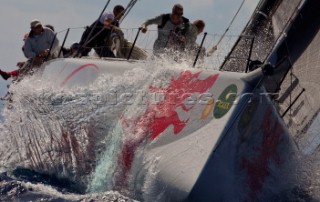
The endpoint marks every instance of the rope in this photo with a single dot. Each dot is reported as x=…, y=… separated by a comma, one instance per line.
x=214, y=48
x=128, y=9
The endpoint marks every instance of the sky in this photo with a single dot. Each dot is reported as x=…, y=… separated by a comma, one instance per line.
x=63, y=14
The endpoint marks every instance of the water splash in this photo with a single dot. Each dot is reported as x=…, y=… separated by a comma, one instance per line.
x=63, y=131
x=103, y=174
x=71, y=132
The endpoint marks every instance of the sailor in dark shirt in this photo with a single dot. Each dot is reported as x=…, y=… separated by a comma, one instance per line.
x=97, y=38
x=101, y=34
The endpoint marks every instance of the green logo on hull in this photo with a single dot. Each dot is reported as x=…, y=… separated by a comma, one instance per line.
x=225, y=101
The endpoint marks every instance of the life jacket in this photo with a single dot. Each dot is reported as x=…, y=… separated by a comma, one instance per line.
x=166, y=18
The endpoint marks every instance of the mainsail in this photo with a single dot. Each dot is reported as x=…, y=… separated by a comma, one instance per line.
x=285, y=33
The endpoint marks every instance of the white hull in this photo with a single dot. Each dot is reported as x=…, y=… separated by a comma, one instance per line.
x=188, y=134
x=227, y=143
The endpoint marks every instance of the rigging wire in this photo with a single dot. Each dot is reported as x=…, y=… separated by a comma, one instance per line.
x=128, y=9
x=214, y=48
x=95, y=24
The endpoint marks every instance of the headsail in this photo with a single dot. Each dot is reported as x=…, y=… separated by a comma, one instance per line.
x=261, y=33
x=286, y=34
x=299, y=56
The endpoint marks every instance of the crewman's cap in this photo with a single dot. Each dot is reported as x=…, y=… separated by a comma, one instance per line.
x=34, y=23
x=106, y=16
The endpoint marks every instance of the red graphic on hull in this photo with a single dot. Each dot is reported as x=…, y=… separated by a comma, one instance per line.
x=258, y=168
x=159, y=116
x=74, y=72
